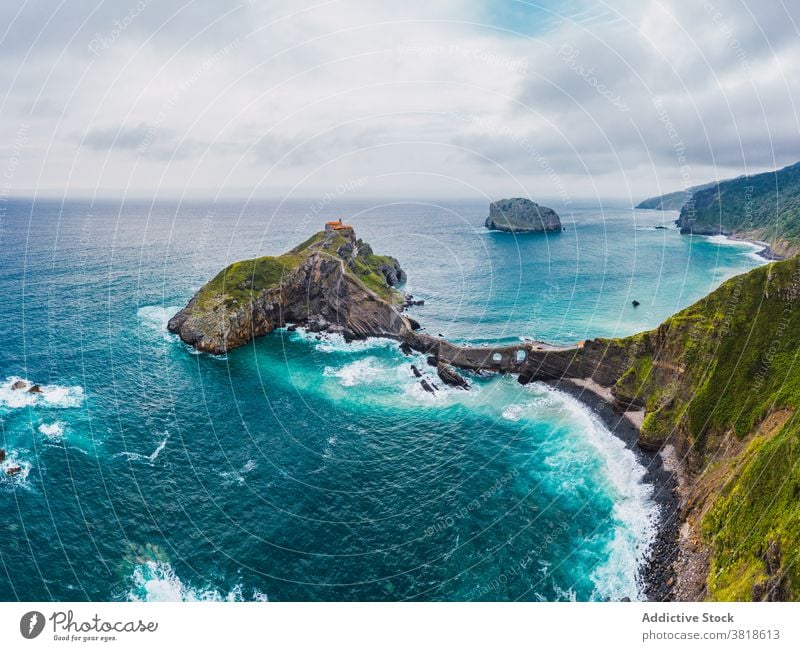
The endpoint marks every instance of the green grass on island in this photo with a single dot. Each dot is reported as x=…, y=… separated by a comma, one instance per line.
x=242, y=282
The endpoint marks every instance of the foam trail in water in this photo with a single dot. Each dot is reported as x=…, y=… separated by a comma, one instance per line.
x=240, y=475
x=157, y=581
x=136, y=456
x=158, y=450
x=156, y=317
x=750, y=249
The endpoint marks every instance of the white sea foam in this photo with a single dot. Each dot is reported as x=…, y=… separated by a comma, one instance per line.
x=751, y=249
x=239, y=476
x=513, y=412
x=362, y=371
x=327, y=452
x=157, y=581
x=156, y=318
x=12, y=460
x=150, y=458
x=52, y=395
x=327, y=342
x=52, y=430
x=158, y=449
x=634, y=508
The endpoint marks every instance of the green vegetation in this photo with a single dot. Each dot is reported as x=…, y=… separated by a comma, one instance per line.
x=242, y=282
x=764, y=206
x=761, y=503
x=724, y=377
x=368, y=267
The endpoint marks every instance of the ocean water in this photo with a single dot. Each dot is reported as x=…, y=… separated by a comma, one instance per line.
x=299, y=468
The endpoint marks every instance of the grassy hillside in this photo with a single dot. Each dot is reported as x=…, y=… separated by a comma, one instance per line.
x=761, y=206
x=672, y=200
x=240, y=282
x=721, y=380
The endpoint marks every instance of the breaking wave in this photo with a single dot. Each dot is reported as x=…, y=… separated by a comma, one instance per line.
x=157, y=581
x=48, y=395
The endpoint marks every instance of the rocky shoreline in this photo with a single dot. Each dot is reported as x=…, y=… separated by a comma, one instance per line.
x=658, y=574
x=766, y=252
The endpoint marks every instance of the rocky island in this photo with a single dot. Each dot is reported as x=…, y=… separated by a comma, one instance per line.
x=332, y=282
x=521, y=216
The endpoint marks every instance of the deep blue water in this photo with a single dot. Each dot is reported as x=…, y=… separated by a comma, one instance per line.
x=300, y=469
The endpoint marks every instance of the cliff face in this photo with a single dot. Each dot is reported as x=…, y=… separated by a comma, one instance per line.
x=721, y=381
x=521, y=216
x=761, y=206
x=331, y=282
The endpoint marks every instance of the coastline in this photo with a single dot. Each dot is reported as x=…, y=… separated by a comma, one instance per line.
x=658, y=572
x=766, y=251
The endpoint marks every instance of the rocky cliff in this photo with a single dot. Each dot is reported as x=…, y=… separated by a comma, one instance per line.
x=760, y=206
x=521, y=216
x=332, y=282
x=720, y=382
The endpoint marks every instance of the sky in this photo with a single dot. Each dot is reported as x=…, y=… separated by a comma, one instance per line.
x=448, y=98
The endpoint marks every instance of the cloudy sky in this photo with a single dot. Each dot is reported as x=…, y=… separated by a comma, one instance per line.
x=420, y=98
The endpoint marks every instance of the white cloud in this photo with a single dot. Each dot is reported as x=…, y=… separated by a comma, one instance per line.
x=269, y=96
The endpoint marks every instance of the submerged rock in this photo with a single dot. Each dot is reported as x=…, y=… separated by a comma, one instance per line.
x=35, y=389
x=416, y=371
x=522, y=216
x=450, y=376
x=427, y=386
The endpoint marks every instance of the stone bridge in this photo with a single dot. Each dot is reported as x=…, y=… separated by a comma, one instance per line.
x=593, y=359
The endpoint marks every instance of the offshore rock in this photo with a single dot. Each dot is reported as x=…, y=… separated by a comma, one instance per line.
x=521, y=216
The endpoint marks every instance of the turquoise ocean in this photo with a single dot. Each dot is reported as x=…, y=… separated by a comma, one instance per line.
x=304, y=468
